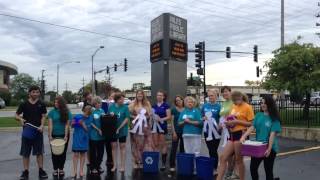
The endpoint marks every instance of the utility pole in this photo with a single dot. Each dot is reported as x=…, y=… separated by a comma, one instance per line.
x=83, y=81
x=282, y=23
x=66, y=86
x=282, y=95
x=42, y=84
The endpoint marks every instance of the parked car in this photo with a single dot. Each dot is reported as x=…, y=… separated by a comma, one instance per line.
x=2, y=103
x=315, y=98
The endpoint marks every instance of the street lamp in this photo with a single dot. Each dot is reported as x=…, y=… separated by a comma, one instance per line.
x=92, y=73
x=58, y=68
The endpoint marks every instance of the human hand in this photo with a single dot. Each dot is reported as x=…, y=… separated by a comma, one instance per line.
x=50, y=138
x=65, y=138
x=242, y=140
x=22, y=121
x=267, y=153
x=117, y=132
x=40, y=129
x=205, y=118
x=174, y=136
x=187, y=120
x=100, y=132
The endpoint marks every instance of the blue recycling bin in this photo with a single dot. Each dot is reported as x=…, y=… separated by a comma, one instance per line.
x=205, y=166
x=150, y=162
x=185, y=164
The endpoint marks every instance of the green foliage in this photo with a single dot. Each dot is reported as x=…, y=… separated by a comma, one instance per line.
x=20, y=85
x=295, y=67
x=69, y=96
x=52, y=95
x=6, y=96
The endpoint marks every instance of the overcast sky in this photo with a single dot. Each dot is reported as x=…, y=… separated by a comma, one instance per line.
x=239, y=24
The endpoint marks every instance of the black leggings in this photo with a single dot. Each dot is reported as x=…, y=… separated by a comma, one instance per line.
x=58, y=161
x=268, y=166
x=96, y=151
x=109, y=162
x=213, y=150
x=174, y=148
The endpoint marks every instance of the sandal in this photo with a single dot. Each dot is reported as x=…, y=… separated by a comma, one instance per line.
x=55, y=173
x=61, y=173
x=94, y=171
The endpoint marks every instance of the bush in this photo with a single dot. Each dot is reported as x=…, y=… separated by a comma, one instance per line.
x=6, y=96
x=14, y=102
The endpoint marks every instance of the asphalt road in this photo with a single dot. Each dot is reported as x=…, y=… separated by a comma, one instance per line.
x=289, y=167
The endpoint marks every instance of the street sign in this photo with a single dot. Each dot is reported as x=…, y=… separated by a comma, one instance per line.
x=177, y=28
x=157, y=29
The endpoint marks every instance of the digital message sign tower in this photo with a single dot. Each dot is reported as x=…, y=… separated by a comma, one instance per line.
x=168, y=55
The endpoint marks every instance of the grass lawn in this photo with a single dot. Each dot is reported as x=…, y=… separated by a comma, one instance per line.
x=10, y=122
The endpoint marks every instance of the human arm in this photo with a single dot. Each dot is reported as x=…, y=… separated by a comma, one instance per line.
x=125, y=121
x=96, y=128
x=168, y=116
x=270, y=144
x=246, y=134
x=50, y=124
x=18, y=116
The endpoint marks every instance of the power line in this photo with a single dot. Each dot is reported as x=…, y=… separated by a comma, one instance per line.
x=73, y=28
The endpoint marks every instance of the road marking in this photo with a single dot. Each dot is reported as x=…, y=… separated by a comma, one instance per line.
x=299, y=151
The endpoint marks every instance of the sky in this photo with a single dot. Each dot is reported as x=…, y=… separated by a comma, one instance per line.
x=240, y=24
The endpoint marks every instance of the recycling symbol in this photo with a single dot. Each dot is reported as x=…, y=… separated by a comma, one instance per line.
x=149, y=160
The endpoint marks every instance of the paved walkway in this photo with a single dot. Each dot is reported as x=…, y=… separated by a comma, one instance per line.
x=292, y=167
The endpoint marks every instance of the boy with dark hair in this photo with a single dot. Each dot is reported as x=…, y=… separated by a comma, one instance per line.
x=33, y=113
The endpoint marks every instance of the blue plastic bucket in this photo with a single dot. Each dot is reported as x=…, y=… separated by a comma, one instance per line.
x=30, y=132
x=185, y=164
x=205, y=166
x=150, y=162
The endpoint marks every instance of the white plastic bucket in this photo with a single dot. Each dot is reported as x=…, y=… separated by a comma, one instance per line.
x=57, y=146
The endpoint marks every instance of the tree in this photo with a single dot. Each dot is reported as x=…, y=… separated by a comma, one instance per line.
x=20, y=85
x=68, y=96
x=295, y=67
x=253, y=84
x=52, y=94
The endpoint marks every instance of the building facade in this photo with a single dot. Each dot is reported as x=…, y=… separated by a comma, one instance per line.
x=6, y=70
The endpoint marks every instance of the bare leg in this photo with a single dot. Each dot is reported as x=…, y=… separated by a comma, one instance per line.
x=239, y=160
x=139, y=142
x=155, y=141
x=114, y=155
x=227, y=152
x=82, y=161
x=163, y=143
x=75, y=159
x=133, y=150
x=26, y=162
x=40, y=161
x=122, y=156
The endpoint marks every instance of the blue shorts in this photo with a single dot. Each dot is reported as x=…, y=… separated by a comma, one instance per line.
x=34, y=145
x=164, y=127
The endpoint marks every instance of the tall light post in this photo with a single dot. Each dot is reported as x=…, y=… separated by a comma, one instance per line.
x=92, y=73
x=58, y=69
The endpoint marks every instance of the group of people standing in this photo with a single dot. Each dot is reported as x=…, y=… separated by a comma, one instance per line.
x=225, y=127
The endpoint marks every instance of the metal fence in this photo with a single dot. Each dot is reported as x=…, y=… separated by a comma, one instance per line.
x=292, y=114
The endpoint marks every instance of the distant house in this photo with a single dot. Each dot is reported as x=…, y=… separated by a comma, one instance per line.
x=6, y=69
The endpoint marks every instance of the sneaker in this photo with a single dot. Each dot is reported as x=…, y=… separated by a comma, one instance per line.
x=228, y=176
x=163, y=168
x=24, y=175
x=235, y=176
x=42, y=174
x=172, y=169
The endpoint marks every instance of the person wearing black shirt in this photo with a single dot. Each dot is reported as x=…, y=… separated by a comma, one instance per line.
x=87, y=99
x=33, y=113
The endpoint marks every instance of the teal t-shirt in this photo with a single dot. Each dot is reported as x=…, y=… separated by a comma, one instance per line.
x=176, y=114
x=94, y=134
x=194, y=115
x=213, y=108
x=58, y=128
x=264, y=126
x=122, y=112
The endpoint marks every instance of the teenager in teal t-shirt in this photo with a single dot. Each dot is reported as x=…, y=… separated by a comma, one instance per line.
x=58, y=127
x=177, y=139
x=96, y=142
x=267, y=126
x=190, y=119
x=122, y=112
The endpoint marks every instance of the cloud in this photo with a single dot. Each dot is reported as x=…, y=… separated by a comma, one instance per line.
x=238, y=24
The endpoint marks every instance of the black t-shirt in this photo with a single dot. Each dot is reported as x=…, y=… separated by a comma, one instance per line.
x=85, y=103
x=32, y=113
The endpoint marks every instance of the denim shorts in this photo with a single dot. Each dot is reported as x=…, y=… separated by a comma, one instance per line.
x=35, y=145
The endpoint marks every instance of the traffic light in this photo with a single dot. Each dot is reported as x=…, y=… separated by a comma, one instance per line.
x=255, y=53
x=258, y=71
x=125, y=65
x=200, y=56
x=115, y=67
x=95, y=85
x=108, y=70
x=228, y=52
